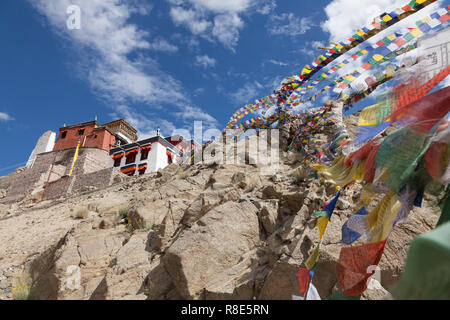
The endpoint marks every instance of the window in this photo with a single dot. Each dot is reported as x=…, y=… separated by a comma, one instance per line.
x=129, y=171
x=117, y=162
x=142, y=169
x=80, y=132
x=63, y=134
x=144, y=152
x=131, y=156
x=169, y=159
x=117, y=159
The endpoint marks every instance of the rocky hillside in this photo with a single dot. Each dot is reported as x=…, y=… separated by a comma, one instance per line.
x=189, y=232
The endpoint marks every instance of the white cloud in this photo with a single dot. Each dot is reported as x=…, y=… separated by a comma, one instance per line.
x=246, y=94
x=226, y=29
x=195, y=113
x=5, y=117
x=345, y=17
x=216, y=19
x=288, y=24
x=253, y=90
x=191, y=19
x=163, y=45
x=105, y=45
x=310, y=48
x=278, y=63
x=267, y=7
x=205, y=61
x=107, y=38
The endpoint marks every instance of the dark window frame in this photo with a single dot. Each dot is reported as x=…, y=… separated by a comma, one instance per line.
x=117, y=162
x=130, y=157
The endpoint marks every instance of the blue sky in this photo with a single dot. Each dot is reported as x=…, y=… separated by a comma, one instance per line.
x=155, y=63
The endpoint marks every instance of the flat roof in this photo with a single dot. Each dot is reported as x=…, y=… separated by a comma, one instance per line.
x=129, y=146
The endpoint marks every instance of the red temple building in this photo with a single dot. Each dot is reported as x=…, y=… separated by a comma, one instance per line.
x=92, y=135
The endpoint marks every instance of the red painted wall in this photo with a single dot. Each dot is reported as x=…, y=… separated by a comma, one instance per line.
x=91, y=138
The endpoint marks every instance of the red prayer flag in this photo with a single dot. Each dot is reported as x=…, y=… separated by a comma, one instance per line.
x=445, y=17
x=369, y=168
x=406, y=8
x=354, y=262
x=400, y=42
x=303, y=279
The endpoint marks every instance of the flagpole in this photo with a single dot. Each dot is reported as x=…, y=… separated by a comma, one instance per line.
x=75, y=157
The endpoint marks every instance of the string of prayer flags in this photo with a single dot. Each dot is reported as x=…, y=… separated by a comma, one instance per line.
x=388, y=49
x=360, y=36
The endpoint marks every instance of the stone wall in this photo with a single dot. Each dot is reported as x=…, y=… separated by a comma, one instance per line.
x=58, y=188
x=97, y=180
x=24, y=182
x=83, y=183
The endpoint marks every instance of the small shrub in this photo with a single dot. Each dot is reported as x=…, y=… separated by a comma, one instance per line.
x=300, y=174
x=183, y=175
x=82, y=213
x=139, y=225
x=22, y=288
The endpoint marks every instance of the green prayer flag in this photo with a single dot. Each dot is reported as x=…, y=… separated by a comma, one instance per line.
x=320, y=213
x=427, y=272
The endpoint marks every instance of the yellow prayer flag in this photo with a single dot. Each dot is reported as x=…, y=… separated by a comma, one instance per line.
x=312, y=259
x=295, y=85
x=421, y=1
x=364, y=51
x=391, y=37
x=387, y=18
x=381, y=218
x=416, y=32
x=378, y=57
x=426, y=20
x=322, y=223
x=350, y=77
x=360, y=32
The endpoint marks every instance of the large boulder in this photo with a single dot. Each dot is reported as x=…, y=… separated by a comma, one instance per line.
x=214, y=244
